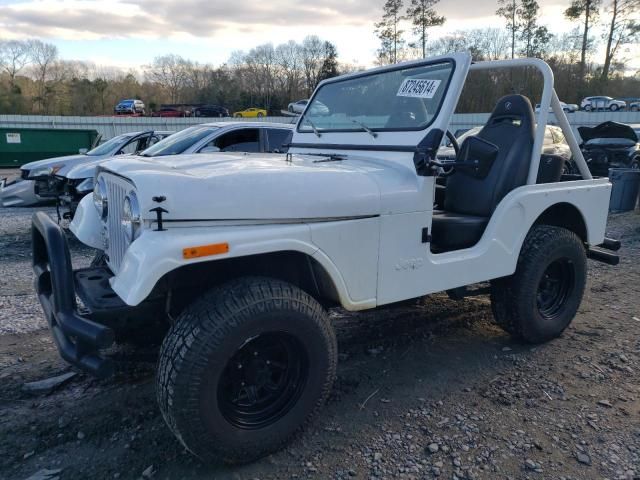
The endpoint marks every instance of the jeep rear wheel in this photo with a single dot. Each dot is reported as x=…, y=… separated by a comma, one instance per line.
x=539, y=301
x=245, y=368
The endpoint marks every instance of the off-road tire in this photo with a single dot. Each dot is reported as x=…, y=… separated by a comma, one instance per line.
x=197, y=351
x=514, y=299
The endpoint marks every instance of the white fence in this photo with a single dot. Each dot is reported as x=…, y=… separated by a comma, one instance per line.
x=111, y=126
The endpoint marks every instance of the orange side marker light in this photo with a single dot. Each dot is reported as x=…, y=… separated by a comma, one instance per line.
x=205, y=250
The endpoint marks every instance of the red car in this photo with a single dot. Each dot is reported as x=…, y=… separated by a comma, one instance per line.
x=169, y=112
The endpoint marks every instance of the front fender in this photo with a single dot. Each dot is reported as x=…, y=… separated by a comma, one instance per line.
x=154, y=254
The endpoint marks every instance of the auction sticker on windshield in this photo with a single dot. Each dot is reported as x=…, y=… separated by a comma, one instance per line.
x=418, y=88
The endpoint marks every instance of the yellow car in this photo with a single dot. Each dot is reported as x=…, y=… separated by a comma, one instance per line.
x=251, y=112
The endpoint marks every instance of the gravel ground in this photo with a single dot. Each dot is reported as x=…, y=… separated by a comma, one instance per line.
x=428, y=390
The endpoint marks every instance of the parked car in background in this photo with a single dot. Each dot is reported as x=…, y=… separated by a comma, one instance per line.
x=251, y=112
x=205, y=138
x=169, y=112
x=209, y=111
x=602, y=103
x=297, y=107
x=130, y=106
x=567, y=107
x=610, y=145
x=634, y=106
x=43, y=181
x=554, y=145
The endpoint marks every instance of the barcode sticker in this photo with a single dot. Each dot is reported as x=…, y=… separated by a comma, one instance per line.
x=418, y=88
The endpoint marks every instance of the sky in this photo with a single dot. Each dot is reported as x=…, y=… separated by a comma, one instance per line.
x=130, y=33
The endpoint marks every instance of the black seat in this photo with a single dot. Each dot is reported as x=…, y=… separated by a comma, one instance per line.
x=470, y=200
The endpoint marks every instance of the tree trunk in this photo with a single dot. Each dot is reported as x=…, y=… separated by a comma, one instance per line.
x=585, y=40
x=608, y=54
x=513, y=31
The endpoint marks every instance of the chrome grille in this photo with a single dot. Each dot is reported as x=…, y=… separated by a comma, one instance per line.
x=117, y=189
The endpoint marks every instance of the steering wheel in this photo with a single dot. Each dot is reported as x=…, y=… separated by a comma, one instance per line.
x=447, y=171
x=454, y=142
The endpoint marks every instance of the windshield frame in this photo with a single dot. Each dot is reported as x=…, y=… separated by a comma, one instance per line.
x=382, y=70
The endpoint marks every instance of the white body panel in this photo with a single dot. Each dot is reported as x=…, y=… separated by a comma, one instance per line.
x=371, y=261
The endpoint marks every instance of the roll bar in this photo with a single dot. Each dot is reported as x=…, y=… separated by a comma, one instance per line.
x=549, y=99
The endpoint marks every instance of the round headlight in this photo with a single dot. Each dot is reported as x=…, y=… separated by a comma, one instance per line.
x=100, y=198
x=131, y=217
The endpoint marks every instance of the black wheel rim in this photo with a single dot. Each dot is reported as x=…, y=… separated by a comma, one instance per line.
x=263, y=380
x=555, y=287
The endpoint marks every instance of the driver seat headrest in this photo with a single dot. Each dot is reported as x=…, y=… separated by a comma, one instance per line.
x=516, y=107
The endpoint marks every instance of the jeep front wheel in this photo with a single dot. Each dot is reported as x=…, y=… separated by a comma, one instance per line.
x=244, y=368
x=542, y=297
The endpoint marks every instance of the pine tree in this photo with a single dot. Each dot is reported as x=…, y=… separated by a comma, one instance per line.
x=330, y=64
x=589, y=10
x=389, y=33
x=510, y=10
x=423, y=15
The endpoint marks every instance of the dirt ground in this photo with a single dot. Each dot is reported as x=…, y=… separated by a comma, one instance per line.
x=428, y=390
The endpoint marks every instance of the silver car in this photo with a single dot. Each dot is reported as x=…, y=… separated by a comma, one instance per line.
x=297, y=107
x=40, y=181
x=205, y=138
x=602, y=103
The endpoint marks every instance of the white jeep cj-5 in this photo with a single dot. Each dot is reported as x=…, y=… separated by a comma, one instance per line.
x=236, y=257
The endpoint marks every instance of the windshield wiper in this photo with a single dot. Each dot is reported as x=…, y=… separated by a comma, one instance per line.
x=313, y=127
x=365, y=128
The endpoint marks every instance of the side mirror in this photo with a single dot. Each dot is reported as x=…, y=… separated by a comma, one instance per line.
x=209, y=149
x=82, y=151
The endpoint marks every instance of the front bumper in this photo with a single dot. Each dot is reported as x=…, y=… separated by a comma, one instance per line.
x=20, y=193
x=77, y=337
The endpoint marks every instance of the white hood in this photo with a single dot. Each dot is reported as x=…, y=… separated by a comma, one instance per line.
x=230, y=186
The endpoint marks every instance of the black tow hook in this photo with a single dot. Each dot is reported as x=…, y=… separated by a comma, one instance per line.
x=159, y=211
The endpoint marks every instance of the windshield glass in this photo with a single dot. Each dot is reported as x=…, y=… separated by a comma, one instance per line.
x=179, y=142
x=403, y=99
x=110, y=145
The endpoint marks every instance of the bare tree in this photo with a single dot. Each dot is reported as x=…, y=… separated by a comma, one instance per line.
x=43, y=56
x=14, y=56
x=171, y=71
x=289, y=57
x=423, y=16
x=313, y=54
x=623, y=29
x=261, y=64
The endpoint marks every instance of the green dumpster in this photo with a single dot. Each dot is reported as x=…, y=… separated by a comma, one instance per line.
x=23, y=145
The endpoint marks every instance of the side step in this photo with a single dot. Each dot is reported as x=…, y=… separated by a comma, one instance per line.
x=611, y=244
x=595, y=253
